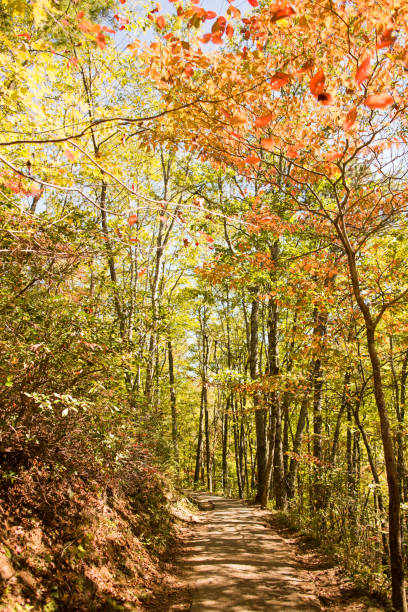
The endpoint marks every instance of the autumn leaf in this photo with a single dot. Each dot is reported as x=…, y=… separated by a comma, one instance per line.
x=325, y=98
x=100, y=40
x=216, y=39
x=281, y=13
x=89, y=27
x=379, y=100
x=69, y=155
x=292, y=153
x=229, y=32
x=363, y=70
x=350, y=118
x=268, y=144
x=254, y=3
x=263, y=121
x=132, y=219
x=278, y=80
x=161, y=22
x=234, y=11
x=317, y=83
x=210, y=15
x=238, y=120
x=252, y=159
x=386, y=39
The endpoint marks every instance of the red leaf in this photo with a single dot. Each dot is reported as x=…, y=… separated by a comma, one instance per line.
x=282, y=12
x=132, y=219
x=80, y=14
x=210, y=15
x=317, y=83
x=268, y=144
x=206, y=38
x=252, y=159
x=25, y=35
x=69, y=155
x=186, y=242
x=72, y=61
x=238, y=120
x=216, y=39
x=325, y=98
x=161, y=22
x=278, y=80
x=363, y=70
x=386, y=39
x=122, y=1
x=254, y=3
x=263, y=121
x=292, y=153
x=88, y=26
x=379, y=100
x=229, y=32
x=350, y=118
x=188, y=71
x=141, y=272
x=106, y=29
x=101, y=40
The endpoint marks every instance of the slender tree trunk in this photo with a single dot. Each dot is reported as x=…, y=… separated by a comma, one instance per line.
x=199, y=451
x=344, y=401
x=174, y=428
x=374, y=473
x=319, y=333
x=225, y=417
x=260, y=413
x=399, y=601
x=297, y=444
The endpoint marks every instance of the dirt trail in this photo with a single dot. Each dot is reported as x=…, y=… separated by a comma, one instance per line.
x=235, y=562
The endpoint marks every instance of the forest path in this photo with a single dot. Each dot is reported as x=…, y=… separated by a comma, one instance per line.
x=235, y=562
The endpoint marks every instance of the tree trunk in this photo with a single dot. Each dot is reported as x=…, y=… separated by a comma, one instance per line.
x=174, y=429
x=399, y=601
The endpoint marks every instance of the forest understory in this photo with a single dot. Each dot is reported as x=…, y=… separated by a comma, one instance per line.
x=203, y=285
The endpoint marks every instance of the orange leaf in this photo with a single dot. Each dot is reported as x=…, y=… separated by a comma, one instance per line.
x=363, y=70
x=132, y=219
x=69, y=155
x=141, y=272
x=238, y=120
x=253, y=2
x=350, y=118
x=229, y=31
x=263, y=121
x=232, y=10
x=280, y=13
x=252, y=159
x=292, y=153
x=278, y=80
x=101, y=40
x=188, y=71
x=88, y=26
x=268, y=144
x=379, y=100
x=386, y=39
x=325, y=98
x=216, y=39
x=210, y=15
x=317, y=83
x=161, y=22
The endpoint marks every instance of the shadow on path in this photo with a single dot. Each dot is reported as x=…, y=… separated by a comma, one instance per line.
x=235, y=562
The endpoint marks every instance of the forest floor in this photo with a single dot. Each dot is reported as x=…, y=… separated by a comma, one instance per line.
x=241, y=558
